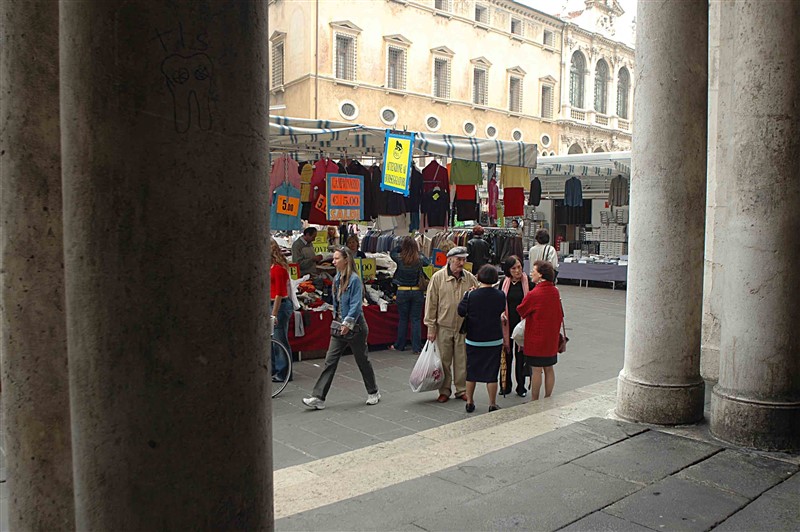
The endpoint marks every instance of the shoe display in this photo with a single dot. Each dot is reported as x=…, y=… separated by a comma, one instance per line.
x=470, y=408
x=373, y=398
x=493, y=408
x=442, y=398
x=314, y=402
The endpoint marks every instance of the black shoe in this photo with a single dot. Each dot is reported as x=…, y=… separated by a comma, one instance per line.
x=493, y=408
x=470, y=408
x=522, y=393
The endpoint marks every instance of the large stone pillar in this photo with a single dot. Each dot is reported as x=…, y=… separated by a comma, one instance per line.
x=756, y=402
x=34, y=334
x=166, y=232
x=660, y=381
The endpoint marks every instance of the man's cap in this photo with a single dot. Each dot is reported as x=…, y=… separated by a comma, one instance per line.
x=458, y=251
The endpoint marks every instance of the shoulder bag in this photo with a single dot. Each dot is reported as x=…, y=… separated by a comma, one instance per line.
x=562, y=335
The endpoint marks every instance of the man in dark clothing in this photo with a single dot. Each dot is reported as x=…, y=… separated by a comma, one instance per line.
x=478, y=248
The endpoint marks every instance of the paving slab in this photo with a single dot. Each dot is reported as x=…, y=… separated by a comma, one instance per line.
x=546, y=502
x=648, y=457
x=743, y=473
x=678, y=504
x=777, y=509
x=603, y=522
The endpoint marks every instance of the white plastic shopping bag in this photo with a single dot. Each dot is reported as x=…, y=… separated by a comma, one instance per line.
x=427, y=374
x=519, y=333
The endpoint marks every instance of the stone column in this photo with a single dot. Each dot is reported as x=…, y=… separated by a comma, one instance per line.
x=756, y=402
x=660, y=381
x=34, y=334
x=166, y=234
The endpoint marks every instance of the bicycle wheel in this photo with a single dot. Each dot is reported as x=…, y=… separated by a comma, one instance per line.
x=280, y=351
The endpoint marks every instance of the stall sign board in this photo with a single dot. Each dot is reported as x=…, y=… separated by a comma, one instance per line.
x=287, y=205
x=345, y=197
x=366, y=268
x=397, y=162
x=439, y=257
x=468, y=266
x=429, y=270
x=321, y=243
x=294, y=271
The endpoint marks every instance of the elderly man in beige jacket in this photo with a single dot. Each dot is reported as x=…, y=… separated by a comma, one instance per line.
x=445, y=290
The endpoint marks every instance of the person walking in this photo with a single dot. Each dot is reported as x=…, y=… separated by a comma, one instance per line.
x=410, y=297
x=542, y=312
x=479, y=251
x=445, y=290
x=543, y=251
x=347, y=310
x=279, y=286
x=303, y=252
x=482, y=309
x=516, y=286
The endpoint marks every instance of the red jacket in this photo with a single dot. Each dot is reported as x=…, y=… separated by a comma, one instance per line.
x=541, y=310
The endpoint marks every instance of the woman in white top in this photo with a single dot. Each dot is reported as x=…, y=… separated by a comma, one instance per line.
x=543, y=250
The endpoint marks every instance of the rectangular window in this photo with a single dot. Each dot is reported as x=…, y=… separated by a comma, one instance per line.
x=547, y=101
x=441, y=78
x=481, y=14
x=548, y=39
x=515, y=94
x=516, y=26
x=277, y=64
x=345, y=57
x=442, y=5
x=480, y=87
x=396, y=68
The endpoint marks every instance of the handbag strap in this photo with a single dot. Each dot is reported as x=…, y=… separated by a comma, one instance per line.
x=563, y=318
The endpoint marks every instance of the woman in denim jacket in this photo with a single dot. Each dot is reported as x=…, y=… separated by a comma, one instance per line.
x=410, y=297
x=347, y=300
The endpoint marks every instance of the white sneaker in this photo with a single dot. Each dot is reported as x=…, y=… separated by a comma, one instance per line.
x=373, y=398
x=314, y=402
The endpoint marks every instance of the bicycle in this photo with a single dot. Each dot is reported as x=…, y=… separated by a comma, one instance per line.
x=280, y=351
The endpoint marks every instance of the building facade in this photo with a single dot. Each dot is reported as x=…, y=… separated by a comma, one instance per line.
x=486, y=68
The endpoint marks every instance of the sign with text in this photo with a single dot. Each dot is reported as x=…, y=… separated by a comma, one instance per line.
x=345, y=197
x=397, y=162
x=366, y=268
x=294, y=271
x=321, y=243
x=287, y=205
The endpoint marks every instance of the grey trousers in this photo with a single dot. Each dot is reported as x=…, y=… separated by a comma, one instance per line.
x=336, y=349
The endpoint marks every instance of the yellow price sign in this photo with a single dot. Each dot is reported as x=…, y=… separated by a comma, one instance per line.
x=468, y=266
x=397, y=162
x=366, y=268
x=287, y=205
x=321, y=243
x=294, y=271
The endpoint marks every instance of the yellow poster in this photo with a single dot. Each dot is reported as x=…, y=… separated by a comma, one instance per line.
x=366, y=268
x=397, y=162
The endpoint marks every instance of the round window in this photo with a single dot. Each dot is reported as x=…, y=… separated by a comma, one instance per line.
x=516, y=135
x=545, y=140
x=469, y=128
x=432, y=121
x=348, y=109
x=491, y=131
x=388, y=116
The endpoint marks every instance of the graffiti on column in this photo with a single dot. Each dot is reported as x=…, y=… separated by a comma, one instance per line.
x=189, y=75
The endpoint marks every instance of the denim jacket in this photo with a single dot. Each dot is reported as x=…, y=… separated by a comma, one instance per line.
x=351, y=300
x=406, y=275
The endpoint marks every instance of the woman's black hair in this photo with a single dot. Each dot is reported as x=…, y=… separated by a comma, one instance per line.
x=509, y=263
x=542, y=236
x=487, y=274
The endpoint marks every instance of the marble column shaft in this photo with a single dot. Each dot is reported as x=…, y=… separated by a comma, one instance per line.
x=164, y=109
x=660, y=381
x=34, y=335
x=756, y=402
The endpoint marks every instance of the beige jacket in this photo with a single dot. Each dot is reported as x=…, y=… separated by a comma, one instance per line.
x=444, y=294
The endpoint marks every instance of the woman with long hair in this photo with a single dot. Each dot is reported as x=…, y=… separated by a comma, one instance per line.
x=282, y=308
x=410, y=296
x=542, y=312
x=516, y=286
x=348, y=294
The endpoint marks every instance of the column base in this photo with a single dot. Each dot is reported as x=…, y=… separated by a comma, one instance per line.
x=660, y=404
x=768, y=426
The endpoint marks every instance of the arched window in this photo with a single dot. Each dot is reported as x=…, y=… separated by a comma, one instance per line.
x=623, y=88
x=575, y=148
x=601, y=87
x=599, y=150
x=577, y=70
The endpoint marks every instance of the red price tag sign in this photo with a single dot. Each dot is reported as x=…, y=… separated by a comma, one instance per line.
x=321, y=204
x=287, y=205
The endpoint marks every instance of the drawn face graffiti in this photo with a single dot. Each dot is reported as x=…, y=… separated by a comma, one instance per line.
x=189, y=80
x=398, y=150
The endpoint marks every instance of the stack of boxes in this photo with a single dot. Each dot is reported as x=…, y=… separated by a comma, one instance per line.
x=533, y=221
x=613, y=233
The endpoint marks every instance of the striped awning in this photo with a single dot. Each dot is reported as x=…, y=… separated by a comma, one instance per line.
x=595, y=170
x=298, y=135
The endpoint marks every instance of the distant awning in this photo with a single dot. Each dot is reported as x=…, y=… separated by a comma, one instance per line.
x=595, y=170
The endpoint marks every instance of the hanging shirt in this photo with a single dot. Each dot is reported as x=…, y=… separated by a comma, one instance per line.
x=305, y=182
x=285, y=214
x=284, y=169
x=356, y=168
x=618, y=195
x=435, y=175
x=573, y=193
x=514, y=177
x=322, y=168
x=466, y=192
x=494, y=194
x=465, y=172
x=436, y=207
x=513, y=201
x=466, y=210
x=535, y=196
x=414, y=198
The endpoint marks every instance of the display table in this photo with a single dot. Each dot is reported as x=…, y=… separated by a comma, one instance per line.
x=382, y=329
x=610, y=273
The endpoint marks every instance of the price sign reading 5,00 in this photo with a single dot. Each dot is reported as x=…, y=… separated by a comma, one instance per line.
x=287, y=205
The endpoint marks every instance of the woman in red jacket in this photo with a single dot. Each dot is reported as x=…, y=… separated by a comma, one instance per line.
x=542, y=312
